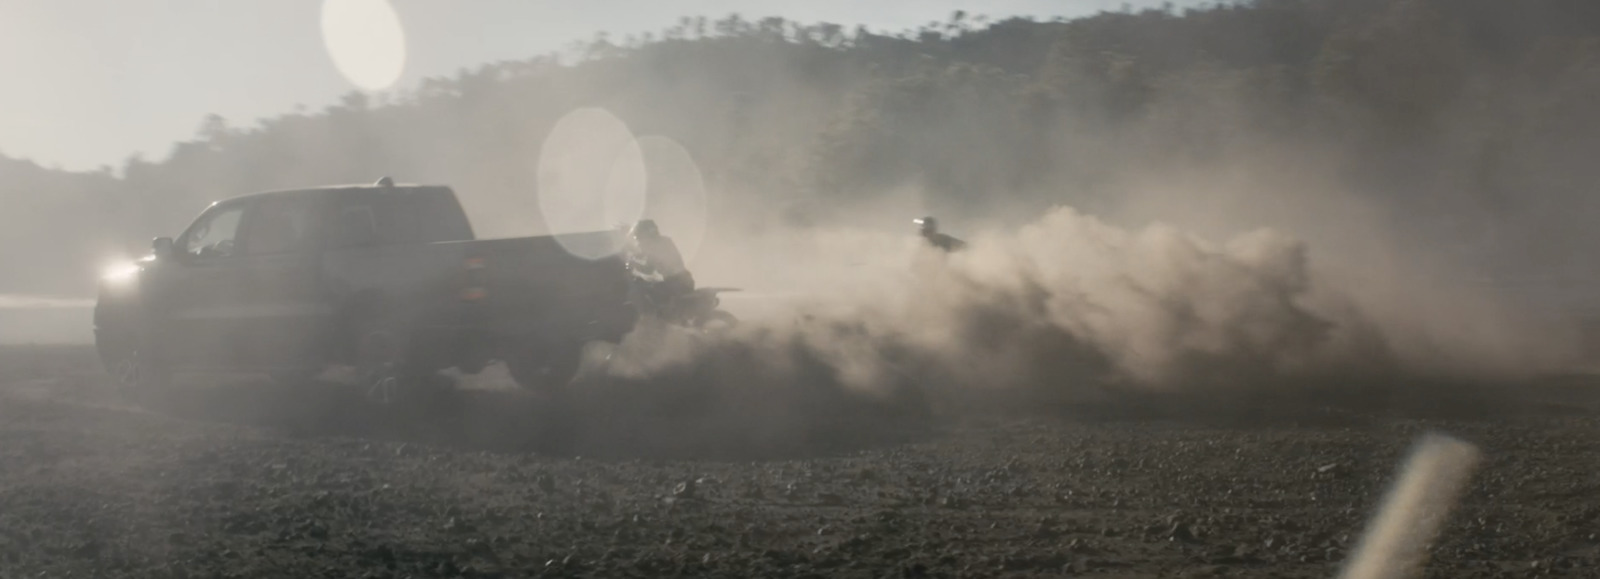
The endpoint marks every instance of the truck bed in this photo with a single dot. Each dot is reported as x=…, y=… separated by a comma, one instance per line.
x=534, y=285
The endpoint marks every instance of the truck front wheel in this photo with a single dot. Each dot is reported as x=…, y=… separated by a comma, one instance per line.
x=136, y=371
x=385, y=368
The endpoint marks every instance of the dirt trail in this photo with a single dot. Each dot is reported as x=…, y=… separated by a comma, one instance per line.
x=243, y=480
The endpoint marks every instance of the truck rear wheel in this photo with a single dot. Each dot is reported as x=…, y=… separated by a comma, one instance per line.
x=547, y=369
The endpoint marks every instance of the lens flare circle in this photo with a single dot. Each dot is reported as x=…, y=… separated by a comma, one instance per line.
x=591, y=177
x=365, y=40
x=676, y=194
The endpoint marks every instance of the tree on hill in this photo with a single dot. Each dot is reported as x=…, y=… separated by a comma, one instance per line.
x=1465, y=110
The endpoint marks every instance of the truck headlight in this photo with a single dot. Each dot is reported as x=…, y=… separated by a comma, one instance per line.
x=120, y=273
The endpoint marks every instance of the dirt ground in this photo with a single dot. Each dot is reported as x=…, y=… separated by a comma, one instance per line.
x=236, y=477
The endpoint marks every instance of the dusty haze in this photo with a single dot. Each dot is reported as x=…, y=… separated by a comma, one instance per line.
x=1275, y=193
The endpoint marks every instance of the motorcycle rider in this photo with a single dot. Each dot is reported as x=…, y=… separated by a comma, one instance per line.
x=930, y=232
x=652, y=252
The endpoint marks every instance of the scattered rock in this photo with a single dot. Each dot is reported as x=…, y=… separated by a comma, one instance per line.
x=684, y=490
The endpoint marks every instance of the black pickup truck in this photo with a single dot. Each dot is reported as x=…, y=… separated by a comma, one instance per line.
x=387, y=279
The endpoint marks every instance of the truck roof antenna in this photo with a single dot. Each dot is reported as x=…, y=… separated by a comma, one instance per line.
x=385, y=182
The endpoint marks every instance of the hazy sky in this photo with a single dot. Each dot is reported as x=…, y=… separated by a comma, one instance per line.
x=90, y=82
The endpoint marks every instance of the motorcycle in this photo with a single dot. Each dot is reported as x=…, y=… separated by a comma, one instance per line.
x=697, y=309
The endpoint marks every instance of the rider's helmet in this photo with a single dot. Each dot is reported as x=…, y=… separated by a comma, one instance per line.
x=929, y=225
x=645, y=228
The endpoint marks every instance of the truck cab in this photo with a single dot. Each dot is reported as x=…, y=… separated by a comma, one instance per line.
x=387, y=278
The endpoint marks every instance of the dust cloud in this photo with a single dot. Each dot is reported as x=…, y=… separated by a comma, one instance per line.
x=1140, y=220
x=1070, y=307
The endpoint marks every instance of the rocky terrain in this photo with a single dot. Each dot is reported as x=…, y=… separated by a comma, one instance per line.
x=233, y=477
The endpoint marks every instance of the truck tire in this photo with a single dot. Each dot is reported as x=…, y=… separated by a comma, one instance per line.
x=385, y=371
x=546, y=369
x=137, y=372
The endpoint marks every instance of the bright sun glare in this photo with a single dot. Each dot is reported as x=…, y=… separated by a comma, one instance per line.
x=592, y=176
x=365, y=41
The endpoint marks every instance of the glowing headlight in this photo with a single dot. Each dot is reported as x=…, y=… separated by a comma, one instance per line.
x=120, y=273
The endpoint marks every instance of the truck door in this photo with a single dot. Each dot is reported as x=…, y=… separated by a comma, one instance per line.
x=197, y=299
x=281, y=301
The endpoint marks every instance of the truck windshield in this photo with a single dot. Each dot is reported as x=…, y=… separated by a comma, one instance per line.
x=398, y=216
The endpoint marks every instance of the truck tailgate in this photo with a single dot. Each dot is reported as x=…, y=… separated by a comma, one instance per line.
x=533, y=286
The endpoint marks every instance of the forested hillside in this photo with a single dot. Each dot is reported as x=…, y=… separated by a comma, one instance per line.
x=1474, y=121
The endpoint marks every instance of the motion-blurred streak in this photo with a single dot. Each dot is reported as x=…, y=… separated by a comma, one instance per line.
x=1396, y=541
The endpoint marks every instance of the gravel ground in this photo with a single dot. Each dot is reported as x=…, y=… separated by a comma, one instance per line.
x=235, y=478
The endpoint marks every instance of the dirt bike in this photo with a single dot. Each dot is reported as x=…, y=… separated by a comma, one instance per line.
x=697, y=309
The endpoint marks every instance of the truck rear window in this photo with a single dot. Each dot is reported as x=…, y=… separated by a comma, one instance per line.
x=397, y=216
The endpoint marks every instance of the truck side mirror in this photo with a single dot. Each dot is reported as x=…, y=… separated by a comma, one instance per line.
x=162, y=246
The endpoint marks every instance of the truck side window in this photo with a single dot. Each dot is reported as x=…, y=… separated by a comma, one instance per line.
x=354, y=226
x=215, y=235
x=433, y=215
x=423, y=215
x=282, y=225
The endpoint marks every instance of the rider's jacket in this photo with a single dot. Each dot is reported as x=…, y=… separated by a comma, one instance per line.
x=662, y=255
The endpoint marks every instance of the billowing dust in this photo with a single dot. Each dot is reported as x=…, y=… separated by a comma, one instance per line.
x=1070, y=308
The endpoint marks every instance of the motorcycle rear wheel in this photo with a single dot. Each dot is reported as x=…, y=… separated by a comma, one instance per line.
x=718, y=320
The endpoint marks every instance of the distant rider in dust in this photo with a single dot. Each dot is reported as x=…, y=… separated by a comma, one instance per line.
x=653, y=252
x=930, y=232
